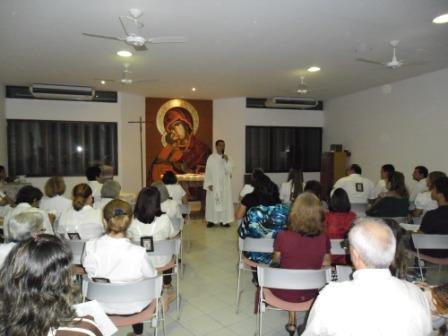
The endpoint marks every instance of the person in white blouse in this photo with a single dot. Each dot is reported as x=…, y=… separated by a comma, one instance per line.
x=93, y=174
x=293, y=186
x=21, y=227
x=381, y=187
x=374, y=303
x=109, y=191
x=81, y=217
x=27, y=199
x=54, y=200
x=169, y=206
x=116, y=258
x=175, y=190
x=419, y=174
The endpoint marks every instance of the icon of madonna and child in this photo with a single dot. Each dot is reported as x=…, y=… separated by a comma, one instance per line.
x=182, y=152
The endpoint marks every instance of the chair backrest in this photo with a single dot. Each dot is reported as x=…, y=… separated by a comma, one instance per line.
x=141, y=290
x=336, y=248
x=397, y=219
x=344, y=273
x=291, y=278
x=90, y=230
x=430, y=241
x=185, y=208
x=167, y=247
x=359, y=209
x=77, y=247
x=257, y=244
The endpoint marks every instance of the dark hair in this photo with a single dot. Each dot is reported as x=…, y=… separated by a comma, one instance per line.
x=422, y=171
x=339, y=201
x=396, y=183
x=93, y=172
x=118, y=216
x=2, y=168
x=169, y=177
x=265, y=189
x=314, y=187
x=55, y=185
x=356, y=168
x=434, y=175
x=441, y=185
x=218, y=141
x=296, y=177
x=36, y=287
x=388, y=168
x=398, y=266
x=147, y=206
x=80, y=194
x=28, y=194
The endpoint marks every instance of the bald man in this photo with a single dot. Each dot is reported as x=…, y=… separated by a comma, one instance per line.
x=374, y=303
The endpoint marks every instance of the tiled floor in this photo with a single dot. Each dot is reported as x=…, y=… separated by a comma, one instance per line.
x=208, y=290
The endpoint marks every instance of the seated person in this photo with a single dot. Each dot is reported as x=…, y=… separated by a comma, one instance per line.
x=114, y=257
x=394, y=202
x=248, y=188
x=347, y=308
x=315, y=188
x=175, y=190
x=420, y=174
x=423, y=201
x=28, y=199
x=303, y=245
x=21, y=227
x=93, y=175
x=169, y=206
x=436, y=221
x=265, y=193
x=381, y=187
x=290, y=189
x=358, y=188
x=81, y=217
x=109, y=191
x=338, y=221
x=40, y=301
x=54, y=200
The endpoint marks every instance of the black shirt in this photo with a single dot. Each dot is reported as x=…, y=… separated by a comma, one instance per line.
x=253, y=199
x=436, y=222
x=389, y=206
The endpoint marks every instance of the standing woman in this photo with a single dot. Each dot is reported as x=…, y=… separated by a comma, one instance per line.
x=290, y=189
x=81, y=217
x=303, y=245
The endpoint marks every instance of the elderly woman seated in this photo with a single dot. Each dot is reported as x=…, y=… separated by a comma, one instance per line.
x=109, y=191
x=21, y=227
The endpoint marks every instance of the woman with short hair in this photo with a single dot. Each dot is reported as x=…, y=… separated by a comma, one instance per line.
x=54, y=200
x=37, y=291
x=303, y=245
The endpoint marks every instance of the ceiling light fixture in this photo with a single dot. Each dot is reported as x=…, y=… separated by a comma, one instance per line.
x=103, y=82
x=313, y=69
x=124, y=53
x=441, y=19
x=193, y=89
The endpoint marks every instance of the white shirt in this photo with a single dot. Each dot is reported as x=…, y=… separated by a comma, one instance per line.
x=4, y=251
x=419, y=187
x=358, y=188
x=379, y=188
x=247, y=189
x=25, y=207
x=118, y=260
x=374, y=303
x=87, y=222
x=96, y=190
x=171, y=208
x=56, y=204
x=424, y=202
x=176, y=192
x=160, y=229
x=101, y=203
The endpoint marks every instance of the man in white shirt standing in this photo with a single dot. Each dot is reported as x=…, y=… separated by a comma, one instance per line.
x=374, y=303
x=358, y=188
x=218, y=202
x=419, y=174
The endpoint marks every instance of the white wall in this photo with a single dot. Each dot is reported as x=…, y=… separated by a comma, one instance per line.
x=3, y=147
x=129, y=107
x=230, y=118
x=406, y=127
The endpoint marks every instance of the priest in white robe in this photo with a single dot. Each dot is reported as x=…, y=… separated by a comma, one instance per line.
x=218, y=202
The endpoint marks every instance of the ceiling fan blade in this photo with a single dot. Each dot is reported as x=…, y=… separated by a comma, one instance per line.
x=140, y=48
x=406, y=64
x=369, y=61
x=104, y=79
x=145, y=81
x=105, y=37
x=167, y=39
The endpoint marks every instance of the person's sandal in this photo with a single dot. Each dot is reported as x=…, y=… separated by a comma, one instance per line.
x=290, y=330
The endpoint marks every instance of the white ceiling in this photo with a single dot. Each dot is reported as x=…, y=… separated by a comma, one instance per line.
x=255, y=48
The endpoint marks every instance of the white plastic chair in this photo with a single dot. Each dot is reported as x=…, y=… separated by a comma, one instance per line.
x=265, y=245
x=344, y=273
x=359, y=209
x=143, y=290
x=433, y=242
x=281, y=278
x=170, y=247
x=77, y=247
x=336, y=248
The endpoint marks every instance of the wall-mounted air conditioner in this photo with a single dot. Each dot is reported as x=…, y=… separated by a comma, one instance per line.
x=291, y=102
x=63, y=92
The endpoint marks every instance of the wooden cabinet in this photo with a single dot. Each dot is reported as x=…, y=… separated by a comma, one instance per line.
x=333, y=167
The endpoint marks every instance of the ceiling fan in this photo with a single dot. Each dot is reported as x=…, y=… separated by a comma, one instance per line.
x=303, y=88
x=126, y=77
x=134, y=39
x=395, y=63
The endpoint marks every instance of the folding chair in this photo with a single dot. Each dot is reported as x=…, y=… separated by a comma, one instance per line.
x=359, y=209
x=169, y=247
x=433, y=242
x=77, y=247
x=343, y=273
x=336, y=247
x=264, y=245
x=281, y=278
x=143, y=290
x=185, y=210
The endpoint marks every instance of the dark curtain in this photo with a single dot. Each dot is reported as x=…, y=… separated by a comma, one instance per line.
x=277, y=149
x=66, y=148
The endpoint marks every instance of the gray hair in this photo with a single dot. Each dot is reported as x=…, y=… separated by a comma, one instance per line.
x=110, y=189
x=23, y=225
x=374, y=241
x=164, y=195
